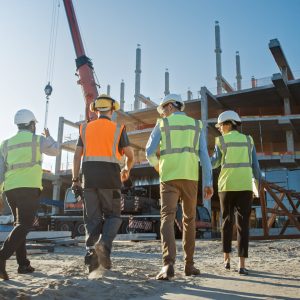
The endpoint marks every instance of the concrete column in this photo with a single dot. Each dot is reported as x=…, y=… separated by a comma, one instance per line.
x=238, y=71
x=122, y=95
x=138, y=72
x=189, y=95
x=167, y=78
x=290, y=146
x=253, y=82
x=218, y=52
x=57, y=183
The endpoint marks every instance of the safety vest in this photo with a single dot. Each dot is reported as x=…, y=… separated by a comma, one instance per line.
x=179, y=148
x=101, y=140
x=236, y=165
x=23, y=161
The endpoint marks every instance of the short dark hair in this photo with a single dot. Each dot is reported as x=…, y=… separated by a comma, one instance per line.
x=233, y=126
x=25, y=126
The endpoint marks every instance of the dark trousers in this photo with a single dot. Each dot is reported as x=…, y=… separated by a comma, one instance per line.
x=238, y=203
x=102, y=213
x=23, y=203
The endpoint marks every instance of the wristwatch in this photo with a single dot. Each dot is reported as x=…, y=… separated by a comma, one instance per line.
x=75, y=179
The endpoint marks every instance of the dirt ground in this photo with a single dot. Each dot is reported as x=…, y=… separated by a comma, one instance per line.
x=274, y=268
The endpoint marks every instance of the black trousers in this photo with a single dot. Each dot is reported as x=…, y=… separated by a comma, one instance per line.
x=23, y=203
x=238, y=203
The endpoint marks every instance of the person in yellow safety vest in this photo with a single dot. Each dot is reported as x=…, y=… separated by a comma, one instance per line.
x=21, y=180
x=181, y=144
x=235, y=153
x=101, y=144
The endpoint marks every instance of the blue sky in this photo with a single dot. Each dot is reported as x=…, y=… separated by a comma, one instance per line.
x=174, y=34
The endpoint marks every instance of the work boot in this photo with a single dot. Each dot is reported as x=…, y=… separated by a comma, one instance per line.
x=166, y=273
x=25, y=269
x=91, y=260
x=3, y=273
x=103, y=256
x=191, y=270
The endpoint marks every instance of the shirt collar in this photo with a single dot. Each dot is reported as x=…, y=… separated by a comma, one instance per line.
x=104, y=117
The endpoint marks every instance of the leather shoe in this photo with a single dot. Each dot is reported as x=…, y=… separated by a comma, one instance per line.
x=103, y=256
x=91, y=260
x=191, y=270
x=243, y=271
x=25, y=269
x=166, y=273
x=3, y=273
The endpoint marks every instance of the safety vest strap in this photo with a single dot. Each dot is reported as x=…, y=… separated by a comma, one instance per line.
x=225, y=146
x=112, y=159
x=33, y=144
x=167, y=128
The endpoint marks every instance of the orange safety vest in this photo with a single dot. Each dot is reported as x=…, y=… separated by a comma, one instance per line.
x=101, y=140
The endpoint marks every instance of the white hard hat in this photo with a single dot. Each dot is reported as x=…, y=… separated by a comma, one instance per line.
x=171, y=98
x=24, y=116
x=228, y=115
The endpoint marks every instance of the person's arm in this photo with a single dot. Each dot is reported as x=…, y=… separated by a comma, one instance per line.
x=129, y=161
x=206, y=167
x=255, y=166
x=152, y=145
x=48, y=145
x=76, y=165
x=216, y=158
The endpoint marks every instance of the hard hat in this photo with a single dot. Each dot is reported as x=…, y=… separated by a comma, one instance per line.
x=24, y=116
x=104, y=103
x=228, y=115
x=171, y=98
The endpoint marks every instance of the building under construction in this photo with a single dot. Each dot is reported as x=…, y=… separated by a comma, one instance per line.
x=270, y=113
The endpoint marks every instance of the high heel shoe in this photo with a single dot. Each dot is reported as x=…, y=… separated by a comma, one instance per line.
x=227, y=265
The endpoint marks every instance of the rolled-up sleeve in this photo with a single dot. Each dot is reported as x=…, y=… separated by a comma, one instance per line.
x=49, y=146
x=152, y=145
x=205, y=162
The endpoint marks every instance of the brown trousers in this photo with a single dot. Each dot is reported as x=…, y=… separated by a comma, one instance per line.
x=170, y=192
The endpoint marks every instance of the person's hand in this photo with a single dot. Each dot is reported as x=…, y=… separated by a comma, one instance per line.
x=124, y=174
x=46, y=132
x=208, y=192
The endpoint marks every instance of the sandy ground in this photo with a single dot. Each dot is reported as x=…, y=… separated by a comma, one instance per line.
x=274, y=274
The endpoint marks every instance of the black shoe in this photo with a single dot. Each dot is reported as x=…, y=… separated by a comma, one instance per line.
x=243, y=271
x=3, y=273
x=166, y=273
x=103, y=256
x=227, y=266
x=91, y=260
x=25, y=269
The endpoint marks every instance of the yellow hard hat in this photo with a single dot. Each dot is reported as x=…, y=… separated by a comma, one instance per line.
x=104, y=103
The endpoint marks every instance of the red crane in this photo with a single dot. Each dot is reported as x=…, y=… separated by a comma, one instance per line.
x=83, y=63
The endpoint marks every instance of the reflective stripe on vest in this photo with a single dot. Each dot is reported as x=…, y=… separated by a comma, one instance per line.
x=33, y=144
x=111, y=159
x=167, y=128
x=235, y=144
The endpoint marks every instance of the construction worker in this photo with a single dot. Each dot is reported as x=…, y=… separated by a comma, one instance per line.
x=102, y=144
x=181, y=143
x=21, y=180
x=235, y=153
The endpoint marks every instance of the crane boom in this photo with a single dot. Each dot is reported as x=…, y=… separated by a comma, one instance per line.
x=83, y=63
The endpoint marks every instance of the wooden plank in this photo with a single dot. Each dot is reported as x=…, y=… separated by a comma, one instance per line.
x=40, y=235
x=273, y=216
x=281, y=205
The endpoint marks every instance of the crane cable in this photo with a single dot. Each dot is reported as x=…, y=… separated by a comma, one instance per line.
x=51, y=54
x=53, y=39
